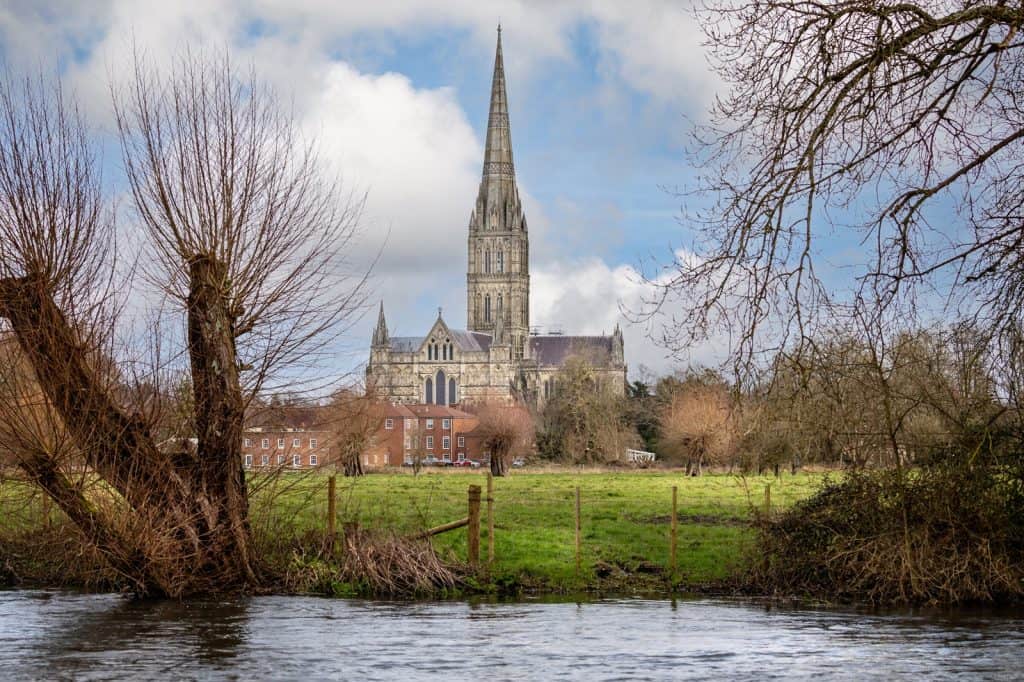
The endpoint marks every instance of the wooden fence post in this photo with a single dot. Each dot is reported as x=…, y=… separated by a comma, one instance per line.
x=578, y=533
x=473, y=539
x=675, y=529
x=768, y=499
x=331, y=511
x=490, y=519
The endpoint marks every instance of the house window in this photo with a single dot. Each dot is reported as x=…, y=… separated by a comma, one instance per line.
x=446, y=424
x=312, y=460
x=389, y=424
x=248, y=442
x=296, y=461
x=462, y=441
x=430, y=442
x=280, y=460
x=248, y=461
x=462, y=456
x=264, y=460
x=430, y=423
x=447, y=456
x=280, y=443
x=296, y=442
x=265, y=443
x=446, y=443
x=312, y=442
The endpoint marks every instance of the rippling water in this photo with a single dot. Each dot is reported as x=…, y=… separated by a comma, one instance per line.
x=54, y=635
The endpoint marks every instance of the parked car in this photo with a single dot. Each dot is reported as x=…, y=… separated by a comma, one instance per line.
x=518, y=463
x=467, y=463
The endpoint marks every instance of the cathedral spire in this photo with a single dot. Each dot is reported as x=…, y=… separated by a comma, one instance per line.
x=380, y=334
x=498, y=150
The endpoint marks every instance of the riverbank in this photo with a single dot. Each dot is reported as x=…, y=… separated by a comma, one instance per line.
x=624, y=516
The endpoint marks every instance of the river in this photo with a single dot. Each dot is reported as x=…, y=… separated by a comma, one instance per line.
x=62, y=635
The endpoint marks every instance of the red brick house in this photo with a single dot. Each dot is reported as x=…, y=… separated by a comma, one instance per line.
x=286, y=448
x=435, y=431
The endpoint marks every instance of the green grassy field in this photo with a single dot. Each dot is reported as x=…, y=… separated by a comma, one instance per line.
x=625, y=519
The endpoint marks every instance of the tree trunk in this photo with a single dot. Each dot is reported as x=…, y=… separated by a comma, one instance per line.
x=498, y=462
x=187, y=526
x=352, y=465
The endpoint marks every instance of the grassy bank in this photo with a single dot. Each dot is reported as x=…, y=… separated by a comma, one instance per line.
x=625, y=518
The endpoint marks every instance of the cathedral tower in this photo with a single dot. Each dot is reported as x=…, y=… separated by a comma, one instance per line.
x=498, y=275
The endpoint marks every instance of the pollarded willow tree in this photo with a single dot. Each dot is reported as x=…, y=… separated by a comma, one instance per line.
x=901, y=122
x=243, y=235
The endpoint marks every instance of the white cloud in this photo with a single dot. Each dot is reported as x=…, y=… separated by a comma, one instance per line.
x=589, y=296
x=415, y=153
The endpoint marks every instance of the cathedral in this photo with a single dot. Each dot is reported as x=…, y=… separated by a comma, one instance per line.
x=496, y=358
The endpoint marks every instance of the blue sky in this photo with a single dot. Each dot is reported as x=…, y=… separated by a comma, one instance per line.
x=397, y=92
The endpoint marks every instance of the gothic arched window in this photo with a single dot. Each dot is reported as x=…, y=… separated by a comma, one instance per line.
x=429, y=393
x=487, y=261
x=440, y=388
x=452, y=396
x=500, y=305
x=501, y=261
x=487, y=308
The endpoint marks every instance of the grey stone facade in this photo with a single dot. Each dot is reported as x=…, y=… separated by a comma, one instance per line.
x=496, y=358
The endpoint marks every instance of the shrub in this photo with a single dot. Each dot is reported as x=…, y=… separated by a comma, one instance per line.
x=941, y=535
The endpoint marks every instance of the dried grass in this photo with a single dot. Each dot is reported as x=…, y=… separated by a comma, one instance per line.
x=370, y=563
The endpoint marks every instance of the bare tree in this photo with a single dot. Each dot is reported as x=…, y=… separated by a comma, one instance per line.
x=902, y=122
x=697, y=424
x=585, y=418
x=354, y=417
x=246, y=240
x=503, y=431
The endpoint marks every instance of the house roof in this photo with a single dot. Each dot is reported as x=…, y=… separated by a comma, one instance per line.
x=553, y=351
x=397, y=410
x=439, y=411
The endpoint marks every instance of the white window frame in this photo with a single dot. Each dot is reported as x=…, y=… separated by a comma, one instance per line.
x=265, y=460
x=280, y=460
x=248, y=461
x=446, y=457
x=280, y=443
x=312, y=460
x=389, y=423
x=430, y=423
x=446, y=442
x=247, y=443
x=296, y=461
x=462, y=456
x=446, y=424
x=430, y=443
x=461, y=441
x=265, y=443
x=312, y=443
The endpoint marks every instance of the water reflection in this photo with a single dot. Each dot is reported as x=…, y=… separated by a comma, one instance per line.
x=61, y=635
